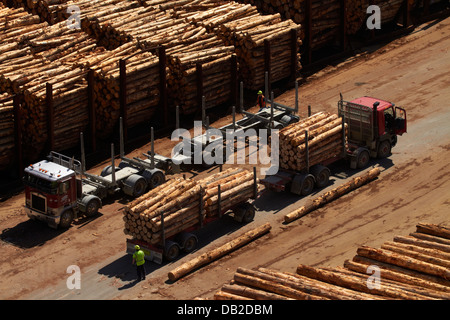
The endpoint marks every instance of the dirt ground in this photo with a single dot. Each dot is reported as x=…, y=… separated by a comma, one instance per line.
x=414, y=186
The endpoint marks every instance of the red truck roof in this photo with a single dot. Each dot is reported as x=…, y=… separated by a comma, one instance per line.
x=369, y=101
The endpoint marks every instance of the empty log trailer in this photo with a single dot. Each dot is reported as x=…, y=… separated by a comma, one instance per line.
x=165, y=220
x=364, y=128
x=274, y=116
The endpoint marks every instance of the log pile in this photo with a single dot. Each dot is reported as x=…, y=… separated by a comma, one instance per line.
x=6, y=130
x=241, y=26
x=409, y=268
x=324, y=141
x=184, y=203
x=33, y=56
x=142, y=85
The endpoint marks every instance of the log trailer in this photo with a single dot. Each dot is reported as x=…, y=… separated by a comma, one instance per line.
x=169, y=248
x=273, y=116
x=373, y=126
x=58, y=189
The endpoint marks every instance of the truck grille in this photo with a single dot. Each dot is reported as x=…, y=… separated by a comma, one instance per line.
x=38, y=203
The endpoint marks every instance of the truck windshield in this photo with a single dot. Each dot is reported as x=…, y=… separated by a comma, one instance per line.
x=47, y=186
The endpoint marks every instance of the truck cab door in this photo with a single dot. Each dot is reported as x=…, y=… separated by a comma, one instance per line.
x=400, y=121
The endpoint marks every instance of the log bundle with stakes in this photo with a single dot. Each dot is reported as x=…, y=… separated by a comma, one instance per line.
x=408, y=268
x=243, y=27
x=324, y=134
x=34, y=58
x=60, y=56
x=6, y=130
x=178, y=201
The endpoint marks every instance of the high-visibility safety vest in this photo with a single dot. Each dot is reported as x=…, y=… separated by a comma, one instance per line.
x=138, y=256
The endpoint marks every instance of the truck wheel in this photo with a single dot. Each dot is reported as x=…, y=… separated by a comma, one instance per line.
x=249, y=213
x=244, y=213
x=189, y=242
x=107, y=171
x=307, y=185
x=66, y=218
x=171, y=250
x=157, y=179
x=384, y=149
x=135, y=185
x=363, y=159
x=322, y=175
x=92, y=207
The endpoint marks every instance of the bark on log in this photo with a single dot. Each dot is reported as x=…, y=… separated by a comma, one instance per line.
x=333, y=194
x=422, y=243
x=405, y=262
x=356, y=283
x=434, y=230
x=399, y=277
x=214, y=254
x=413, y=273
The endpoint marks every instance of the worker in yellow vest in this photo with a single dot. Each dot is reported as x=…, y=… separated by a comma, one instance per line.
x=261, y=100
x=139, y=259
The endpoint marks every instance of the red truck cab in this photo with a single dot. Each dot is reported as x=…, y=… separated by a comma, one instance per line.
x=390, y=118
x=50, y=190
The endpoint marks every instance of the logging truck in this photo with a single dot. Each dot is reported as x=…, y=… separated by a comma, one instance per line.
x=369, y=129
x=59, y=190
x=173, y=236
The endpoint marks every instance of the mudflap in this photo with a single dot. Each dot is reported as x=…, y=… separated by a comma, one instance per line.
x=152, y=253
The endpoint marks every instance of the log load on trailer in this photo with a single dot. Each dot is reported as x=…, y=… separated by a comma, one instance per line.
x=164, y=220
x=58, y=189
x=364, y=128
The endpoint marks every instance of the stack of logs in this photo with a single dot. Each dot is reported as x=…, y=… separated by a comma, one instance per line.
x=186, y=46
x=142, y=85
x=244, y=28
x=34, y=54
x=6, y=130
x=178, y=202
x=325, y=141
x=325, y=15
x=409, y=268
x=32, y=58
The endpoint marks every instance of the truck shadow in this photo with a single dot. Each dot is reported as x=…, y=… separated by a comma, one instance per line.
x=122, y=268
x=29, y=234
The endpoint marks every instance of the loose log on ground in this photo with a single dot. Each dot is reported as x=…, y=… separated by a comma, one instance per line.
x=214, y=254
x=333, y=194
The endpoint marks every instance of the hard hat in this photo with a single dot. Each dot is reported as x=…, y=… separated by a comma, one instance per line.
x=259, y=92
x=137, y=247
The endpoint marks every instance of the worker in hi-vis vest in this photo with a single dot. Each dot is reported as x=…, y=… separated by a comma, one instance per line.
x=139, y=259
x=261, y=100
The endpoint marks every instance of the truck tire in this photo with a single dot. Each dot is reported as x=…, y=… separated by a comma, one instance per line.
x=135, y=185
x=66, y=218
x=171, y=250
x=307, y=185
x=249, y=213
x=157, y=179
x=91, y=204
x=244, y=213
x=322, y=175
x=188, y=241
x=384, y=149
x=107, y=171
x=363, y=159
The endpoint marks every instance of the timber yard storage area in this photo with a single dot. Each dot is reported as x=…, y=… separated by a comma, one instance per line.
x=355, y=124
